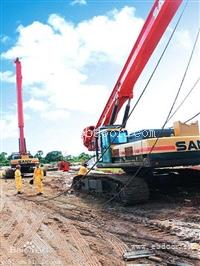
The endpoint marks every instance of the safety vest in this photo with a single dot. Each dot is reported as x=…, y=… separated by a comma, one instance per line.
x=38, y=172
x=82, y=170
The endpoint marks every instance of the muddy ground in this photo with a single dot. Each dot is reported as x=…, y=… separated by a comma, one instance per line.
x=83, y=230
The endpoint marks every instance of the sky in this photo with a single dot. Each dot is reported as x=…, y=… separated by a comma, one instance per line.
x=72, y=53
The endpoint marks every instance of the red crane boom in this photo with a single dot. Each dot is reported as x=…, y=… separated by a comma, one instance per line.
x=157, y=21
x=22, y=142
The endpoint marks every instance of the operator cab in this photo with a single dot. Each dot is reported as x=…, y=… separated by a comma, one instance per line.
x=109, y=136
x=17, y=155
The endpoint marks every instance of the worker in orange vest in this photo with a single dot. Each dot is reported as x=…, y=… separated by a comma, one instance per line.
x=83, y=170
x=38, y=177
x=18, y=179
x=81, y=173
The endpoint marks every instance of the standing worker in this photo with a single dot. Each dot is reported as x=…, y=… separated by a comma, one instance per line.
x=18, y=179
x=38, y=176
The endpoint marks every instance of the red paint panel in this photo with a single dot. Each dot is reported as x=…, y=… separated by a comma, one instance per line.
x=158, y=148
x=129, y=151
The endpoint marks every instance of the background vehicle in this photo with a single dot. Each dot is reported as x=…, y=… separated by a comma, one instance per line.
x=64, y=166
x=23, y=157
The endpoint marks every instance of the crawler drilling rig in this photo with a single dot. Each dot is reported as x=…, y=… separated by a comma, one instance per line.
x=156, y=153
x=23, y=157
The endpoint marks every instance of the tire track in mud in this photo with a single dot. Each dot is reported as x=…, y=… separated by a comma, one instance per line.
x=162, y=244
x=24, y=229
x=163, y=234
x=83, y=247
x=25, y=226
x=153, y=232
x=8, y=254
x=77, y=228
x=44, y=253
x=98, y=239
x=185, y=231
x=19, y=234
x=117, y=244
x=85, y=254
x=141, y=233
x=6, y=225
x=91, y=236
x=86, y=233
x=77, y=235
x=11, y=215
x=70, y=240
x=65, y=251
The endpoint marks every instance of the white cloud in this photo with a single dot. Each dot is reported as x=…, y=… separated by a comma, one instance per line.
x=183, y=39
x=105, y=46
x=4, y=39
x=8, y=127
x=55, y=115
x=57, y=56
x=7, y=76
x=37, y=91
x=35, y=105
x=72, y=67
x=79, y=2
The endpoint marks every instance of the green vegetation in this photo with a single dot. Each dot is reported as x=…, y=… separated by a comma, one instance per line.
x=39, y=154
x=80, y=158
x=4, y=161
x=53, y=156
x=56, y=156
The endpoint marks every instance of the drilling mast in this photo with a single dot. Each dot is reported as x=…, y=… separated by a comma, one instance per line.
x=22, y=141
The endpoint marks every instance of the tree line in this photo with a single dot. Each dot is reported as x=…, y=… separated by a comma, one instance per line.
x=51, y=157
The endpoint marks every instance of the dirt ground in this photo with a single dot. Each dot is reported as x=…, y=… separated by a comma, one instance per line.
x=83, y=230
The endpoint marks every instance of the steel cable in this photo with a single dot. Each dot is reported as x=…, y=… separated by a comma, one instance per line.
x=121, y=127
